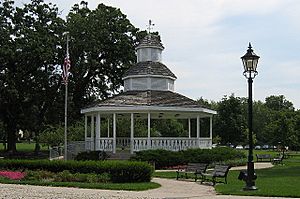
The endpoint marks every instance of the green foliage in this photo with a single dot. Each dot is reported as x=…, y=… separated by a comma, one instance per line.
x=92, y=155
x=54, y=135
x=278, y=103
x=169, y=128
x=119, y=171
x=230, y=122
x=219, y=154
x=164, y=158
x=32, y=52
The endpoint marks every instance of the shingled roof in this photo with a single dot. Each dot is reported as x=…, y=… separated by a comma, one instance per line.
x=150, y=41
x=148, y=98
x=149, y=68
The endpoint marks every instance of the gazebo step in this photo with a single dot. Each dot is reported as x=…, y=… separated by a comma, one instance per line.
x=119, y=156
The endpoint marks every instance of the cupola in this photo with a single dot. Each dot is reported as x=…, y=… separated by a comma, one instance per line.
x=149, y=73
x=149, y=49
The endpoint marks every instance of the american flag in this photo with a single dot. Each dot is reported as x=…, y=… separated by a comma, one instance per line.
x=66, y=68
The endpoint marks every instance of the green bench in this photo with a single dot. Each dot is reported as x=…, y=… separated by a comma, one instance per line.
x=194, y=168
x=263, y=157
x=220, y=171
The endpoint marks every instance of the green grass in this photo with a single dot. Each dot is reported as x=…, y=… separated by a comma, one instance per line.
x=26, y=147
x=280, y=180
x=111, y=186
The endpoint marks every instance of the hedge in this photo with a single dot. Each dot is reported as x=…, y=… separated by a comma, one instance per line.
x=119, y=171
x=164, y=158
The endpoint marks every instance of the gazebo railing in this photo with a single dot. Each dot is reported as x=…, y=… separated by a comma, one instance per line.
x=173, y=144
x=104, y=144
x=139, y=144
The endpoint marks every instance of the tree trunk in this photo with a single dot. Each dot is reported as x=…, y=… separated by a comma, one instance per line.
x=11, y=137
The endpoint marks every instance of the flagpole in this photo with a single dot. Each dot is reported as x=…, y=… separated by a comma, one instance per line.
x=66, y=107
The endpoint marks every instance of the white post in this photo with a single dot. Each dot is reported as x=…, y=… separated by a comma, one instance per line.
x=149, y=131
x=85, y=131
x=98, y=131
x=189, y=127
x=92, y=132
x=198, y=130
x=108, y=127
x=114, y=132
x=210, y=130
x=131, y=134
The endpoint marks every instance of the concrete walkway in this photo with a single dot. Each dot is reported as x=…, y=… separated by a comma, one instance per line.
x=170, y=188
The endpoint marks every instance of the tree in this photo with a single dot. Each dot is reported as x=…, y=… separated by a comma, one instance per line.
x=101, y=49
x=278, y=103
x=29, y=55
x=230, y=122
x=32, y=51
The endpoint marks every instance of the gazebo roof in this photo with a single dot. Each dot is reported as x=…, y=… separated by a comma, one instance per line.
x=157, y=100
x=150, y=40
x=149, y=68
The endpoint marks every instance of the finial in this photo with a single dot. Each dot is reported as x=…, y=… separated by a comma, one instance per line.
x=149, y=26
x=249, y=46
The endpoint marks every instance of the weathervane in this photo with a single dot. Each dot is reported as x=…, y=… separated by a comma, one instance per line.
x=150, y=25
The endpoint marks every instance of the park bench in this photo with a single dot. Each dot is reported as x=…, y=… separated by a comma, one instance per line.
x=195, y=168
x=220, y=171
x=278, y=160
x=263, y=157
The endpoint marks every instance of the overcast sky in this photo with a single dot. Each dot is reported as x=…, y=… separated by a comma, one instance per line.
x=204, y=40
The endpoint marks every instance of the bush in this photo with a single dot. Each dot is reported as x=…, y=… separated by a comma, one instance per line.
x=67, y=176
x=92, y=155
x=163, y=158
x=119, y=171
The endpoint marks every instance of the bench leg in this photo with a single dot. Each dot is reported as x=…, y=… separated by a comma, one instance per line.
x=214, y=181
x=196, y=178
x=177, y=176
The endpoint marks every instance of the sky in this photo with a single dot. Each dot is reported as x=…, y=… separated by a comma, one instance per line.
x=204, y=40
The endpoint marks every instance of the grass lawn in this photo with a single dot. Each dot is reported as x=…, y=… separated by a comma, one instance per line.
x=111, y=186
x=280, y=180
x=26, y=147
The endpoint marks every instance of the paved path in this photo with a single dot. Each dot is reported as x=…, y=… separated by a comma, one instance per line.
x=170, y=189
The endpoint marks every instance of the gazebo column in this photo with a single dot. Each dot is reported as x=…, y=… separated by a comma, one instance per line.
x=131, y=133
x=98, y=131
x=114, y=132
x=149, y=131
x=210, y=129
x=108, y=127
x=92, y=132
x=189, y=124
x=198, y=130
x=85, y=132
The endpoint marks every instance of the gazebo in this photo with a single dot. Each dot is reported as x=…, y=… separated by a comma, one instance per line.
x=148, y=94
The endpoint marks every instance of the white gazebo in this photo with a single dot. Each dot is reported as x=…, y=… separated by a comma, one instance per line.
x=148, y=94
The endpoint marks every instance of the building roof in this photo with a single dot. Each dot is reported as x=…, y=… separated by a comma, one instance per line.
x=149, y=68
x=150, y=41
x=148, y=98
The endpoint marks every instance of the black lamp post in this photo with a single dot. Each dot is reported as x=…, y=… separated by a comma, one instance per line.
x=250, y=60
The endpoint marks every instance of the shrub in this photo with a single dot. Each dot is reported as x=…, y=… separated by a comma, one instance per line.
x=67, y=176
x=119, y=171
x=163, y=158
x=92, y=155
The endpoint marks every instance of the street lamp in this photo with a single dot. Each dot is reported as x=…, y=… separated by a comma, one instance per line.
x=250, y=60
